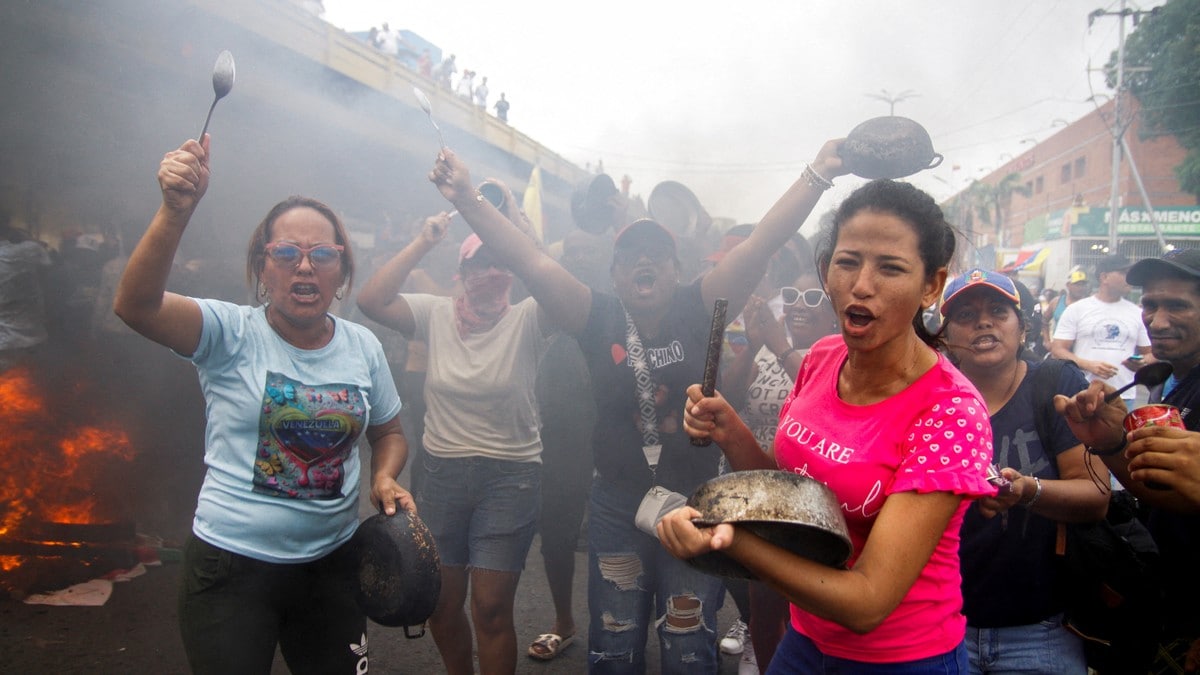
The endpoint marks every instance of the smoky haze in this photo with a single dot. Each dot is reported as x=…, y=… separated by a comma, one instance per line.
x=96, y=93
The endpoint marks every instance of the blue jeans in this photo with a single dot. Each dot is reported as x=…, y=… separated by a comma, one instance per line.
x=797, y=655
x=481, y=511
x=629, y=574
x=1043, y=647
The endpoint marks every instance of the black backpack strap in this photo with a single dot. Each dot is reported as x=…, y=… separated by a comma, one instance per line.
x=1045, y=386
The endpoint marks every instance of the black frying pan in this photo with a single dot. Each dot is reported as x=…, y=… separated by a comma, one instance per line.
x=399, y=572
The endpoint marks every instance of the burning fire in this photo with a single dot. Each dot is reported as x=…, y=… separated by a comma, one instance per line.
x=50, y=458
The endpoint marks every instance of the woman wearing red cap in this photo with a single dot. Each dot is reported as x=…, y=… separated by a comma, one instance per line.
x=481, y=491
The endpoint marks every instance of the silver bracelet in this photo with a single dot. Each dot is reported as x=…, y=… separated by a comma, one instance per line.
x=1037, y=494
x=815, y=179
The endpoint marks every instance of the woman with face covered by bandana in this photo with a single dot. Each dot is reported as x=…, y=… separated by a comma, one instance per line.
x=481, y=492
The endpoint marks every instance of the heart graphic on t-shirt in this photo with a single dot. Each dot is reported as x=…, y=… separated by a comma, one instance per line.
x=309, y=439
x=618, y=354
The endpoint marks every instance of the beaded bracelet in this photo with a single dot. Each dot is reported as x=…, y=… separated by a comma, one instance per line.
x=1108, y=453
x=782, y=358
x=1037, y=494
x=815, y=179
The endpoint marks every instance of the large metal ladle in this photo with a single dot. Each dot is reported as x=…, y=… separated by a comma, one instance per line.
x=223, y=75
x=1150, y=375
x=423, y=100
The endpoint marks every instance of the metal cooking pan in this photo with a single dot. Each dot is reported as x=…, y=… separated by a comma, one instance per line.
x=791, y=511
x=399, y=572
x=676, y=208
x=593, y=207
x=888, y=147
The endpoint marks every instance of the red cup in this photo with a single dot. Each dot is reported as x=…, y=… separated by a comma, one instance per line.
x=1154, y=415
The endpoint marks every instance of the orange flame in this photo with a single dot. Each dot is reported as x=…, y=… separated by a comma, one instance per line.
x=48, y=461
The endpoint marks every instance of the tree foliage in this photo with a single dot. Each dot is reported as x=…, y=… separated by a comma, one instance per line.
x=987, y=204
x=1162, y=68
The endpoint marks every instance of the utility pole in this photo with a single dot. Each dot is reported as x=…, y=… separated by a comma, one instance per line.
x=1119, y=123
x=1119, y=126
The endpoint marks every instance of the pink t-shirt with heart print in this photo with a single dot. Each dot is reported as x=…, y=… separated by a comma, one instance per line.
x=933, y=436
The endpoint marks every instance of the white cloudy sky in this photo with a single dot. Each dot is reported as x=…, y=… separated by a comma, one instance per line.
x=732, y=98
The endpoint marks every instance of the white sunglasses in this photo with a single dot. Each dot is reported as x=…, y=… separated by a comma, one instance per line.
x=812, y=297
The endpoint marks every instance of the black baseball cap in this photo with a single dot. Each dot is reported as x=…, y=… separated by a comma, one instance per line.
x=1112, y=263
x=1174, y=263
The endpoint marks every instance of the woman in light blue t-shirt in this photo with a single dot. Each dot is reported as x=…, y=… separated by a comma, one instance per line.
x=290, y=389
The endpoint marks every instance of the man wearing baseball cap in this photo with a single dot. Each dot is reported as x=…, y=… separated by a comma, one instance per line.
x=1077, y=289
x=1161, y=455
x=1102, y=332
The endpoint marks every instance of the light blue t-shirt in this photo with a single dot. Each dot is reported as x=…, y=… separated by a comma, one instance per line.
x=283, y=425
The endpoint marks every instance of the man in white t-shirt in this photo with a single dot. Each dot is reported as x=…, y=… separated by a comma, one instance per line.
x=1104, y=333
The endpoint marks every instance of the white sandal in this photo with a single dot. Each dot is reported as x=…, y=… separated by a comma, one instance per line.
x=548, y=645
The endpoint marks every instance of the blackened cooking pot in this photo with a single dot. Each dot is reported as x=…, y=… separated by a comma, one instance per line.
x=399, y=572
x=791, y=511
x=592, y=206
x=676, y=208
x=888, y=147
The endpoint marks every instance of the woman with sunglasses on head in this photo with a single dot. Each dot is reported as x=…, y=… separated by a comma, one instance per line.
x=643, y=343
x=886, y=422
x=1046, y=481
x=290, y=389
x=481, y=493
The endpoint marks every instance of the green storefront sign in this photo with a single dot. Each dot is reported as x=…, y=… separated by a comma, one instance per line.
x=1093, y=222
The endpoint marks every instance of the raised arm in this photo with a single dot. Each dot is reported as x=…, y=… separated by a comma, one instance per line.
x=380, y=298
x=741, y=269
x=142, y=300
x=565, y=300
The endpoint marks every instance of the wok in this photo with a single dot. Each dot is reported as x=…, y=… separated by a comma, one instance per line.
x=399, y=572
x=888, y=147
x=676, y=208
x=593, y=207
x=791, y=511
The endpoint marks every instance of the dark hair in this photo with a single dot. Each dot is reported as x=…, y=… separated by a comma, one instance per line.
x=256, y=254
x=802, y=248
x=936, y=239
x=783, y=268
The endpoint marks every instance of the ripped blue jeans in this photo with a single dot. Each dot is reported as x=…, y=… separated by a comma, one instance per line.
x=630, y=573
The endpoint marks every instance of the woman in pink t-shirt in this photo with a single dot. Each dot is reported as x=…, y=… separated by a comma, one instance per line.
x=898, y=434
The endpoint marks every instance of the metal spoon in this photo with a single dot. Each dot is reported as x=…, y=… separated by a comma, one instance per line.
x=423, y=100
x=223, y=75
x=1148, y=376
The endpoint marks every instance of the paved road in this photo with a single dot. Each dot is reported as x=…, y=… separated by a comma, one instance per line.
x=137, y=632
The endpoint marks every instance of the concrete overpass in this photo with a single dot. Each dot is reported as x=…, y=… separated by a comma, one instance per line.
x=96, y=92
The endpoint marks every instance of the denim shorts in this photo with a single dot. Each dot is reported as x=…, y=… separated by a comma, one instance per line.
x=482, y=512
x=1046, y=646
